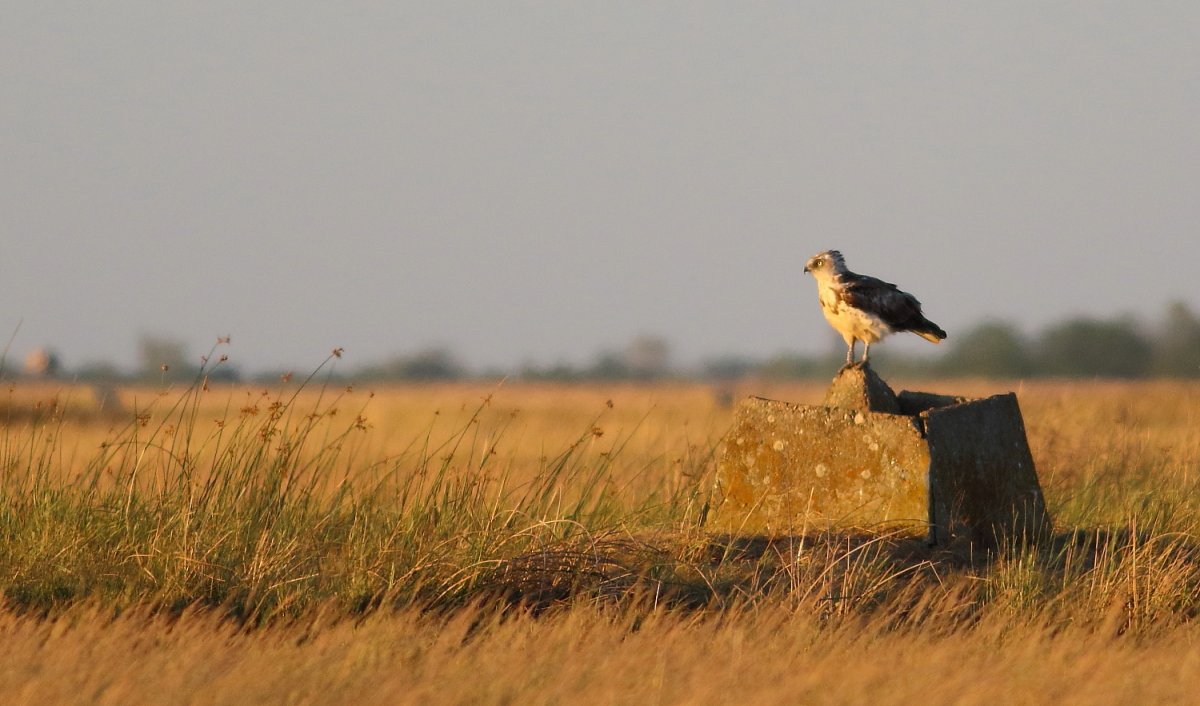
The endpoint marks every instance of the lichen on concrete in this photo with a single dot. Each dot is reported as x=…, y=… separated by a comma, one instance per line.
x=858, y=387
x=917, y=464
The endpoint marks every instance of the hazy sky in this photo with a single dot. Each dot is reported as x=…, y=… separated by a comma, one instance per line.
x=539, y=180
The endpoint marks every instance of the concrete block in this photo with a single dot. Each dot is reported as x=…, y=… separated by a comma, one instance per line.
x=858, y=387
x=940, y=467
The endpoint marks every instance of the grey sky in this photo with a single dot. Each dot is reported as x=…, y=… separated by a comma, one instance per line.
x=540, y=180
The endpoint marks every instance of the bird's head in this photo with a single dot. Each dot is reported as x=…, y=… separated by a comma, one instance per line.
x=825, y=264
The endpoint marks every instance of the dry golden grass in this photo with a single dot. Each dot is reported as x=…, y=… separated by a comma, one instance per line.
x=476, y=543
x=583, y=655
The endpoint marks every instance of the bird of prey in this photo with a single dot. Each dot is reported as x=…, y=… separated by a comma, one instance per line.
x=863, y=308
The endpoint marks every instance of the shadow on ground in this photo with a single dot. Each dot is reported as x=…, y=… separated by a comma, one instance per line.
x=842, y=571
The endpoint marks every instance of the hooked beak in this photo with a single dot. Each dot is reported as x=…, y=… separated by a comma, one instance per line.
x=807, y=270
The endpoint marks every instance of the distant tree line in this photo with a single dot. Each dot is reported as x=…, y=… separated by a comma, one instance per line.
x=1081, y=347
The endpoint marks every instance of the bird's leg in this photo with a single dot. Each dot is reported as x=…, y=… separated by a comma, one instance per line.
x=850, y=352
x=866, y=351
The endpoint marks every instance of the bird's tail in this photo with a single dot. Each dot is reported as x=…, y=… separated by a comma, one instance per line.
x=930, y=332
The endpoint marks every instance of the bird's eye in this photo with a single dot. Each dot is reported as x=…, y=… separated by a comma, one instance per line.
x=818, y=263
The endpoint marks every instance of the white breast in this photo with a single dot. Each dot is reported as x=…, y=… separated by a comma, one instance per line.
x=850, y=322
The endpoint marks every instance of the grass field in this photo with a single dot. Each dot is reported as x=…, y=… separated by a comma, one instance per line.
x=516, y=543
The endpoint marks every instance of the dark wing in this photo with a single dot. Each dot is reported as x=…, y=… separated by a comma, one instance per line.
x=897, y=309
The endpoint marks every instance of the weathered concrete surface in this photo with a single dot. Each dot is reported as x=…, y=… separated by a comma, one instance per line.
x=788, y=469
x=941, y=467
x=984, y=485
x=858, y=387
